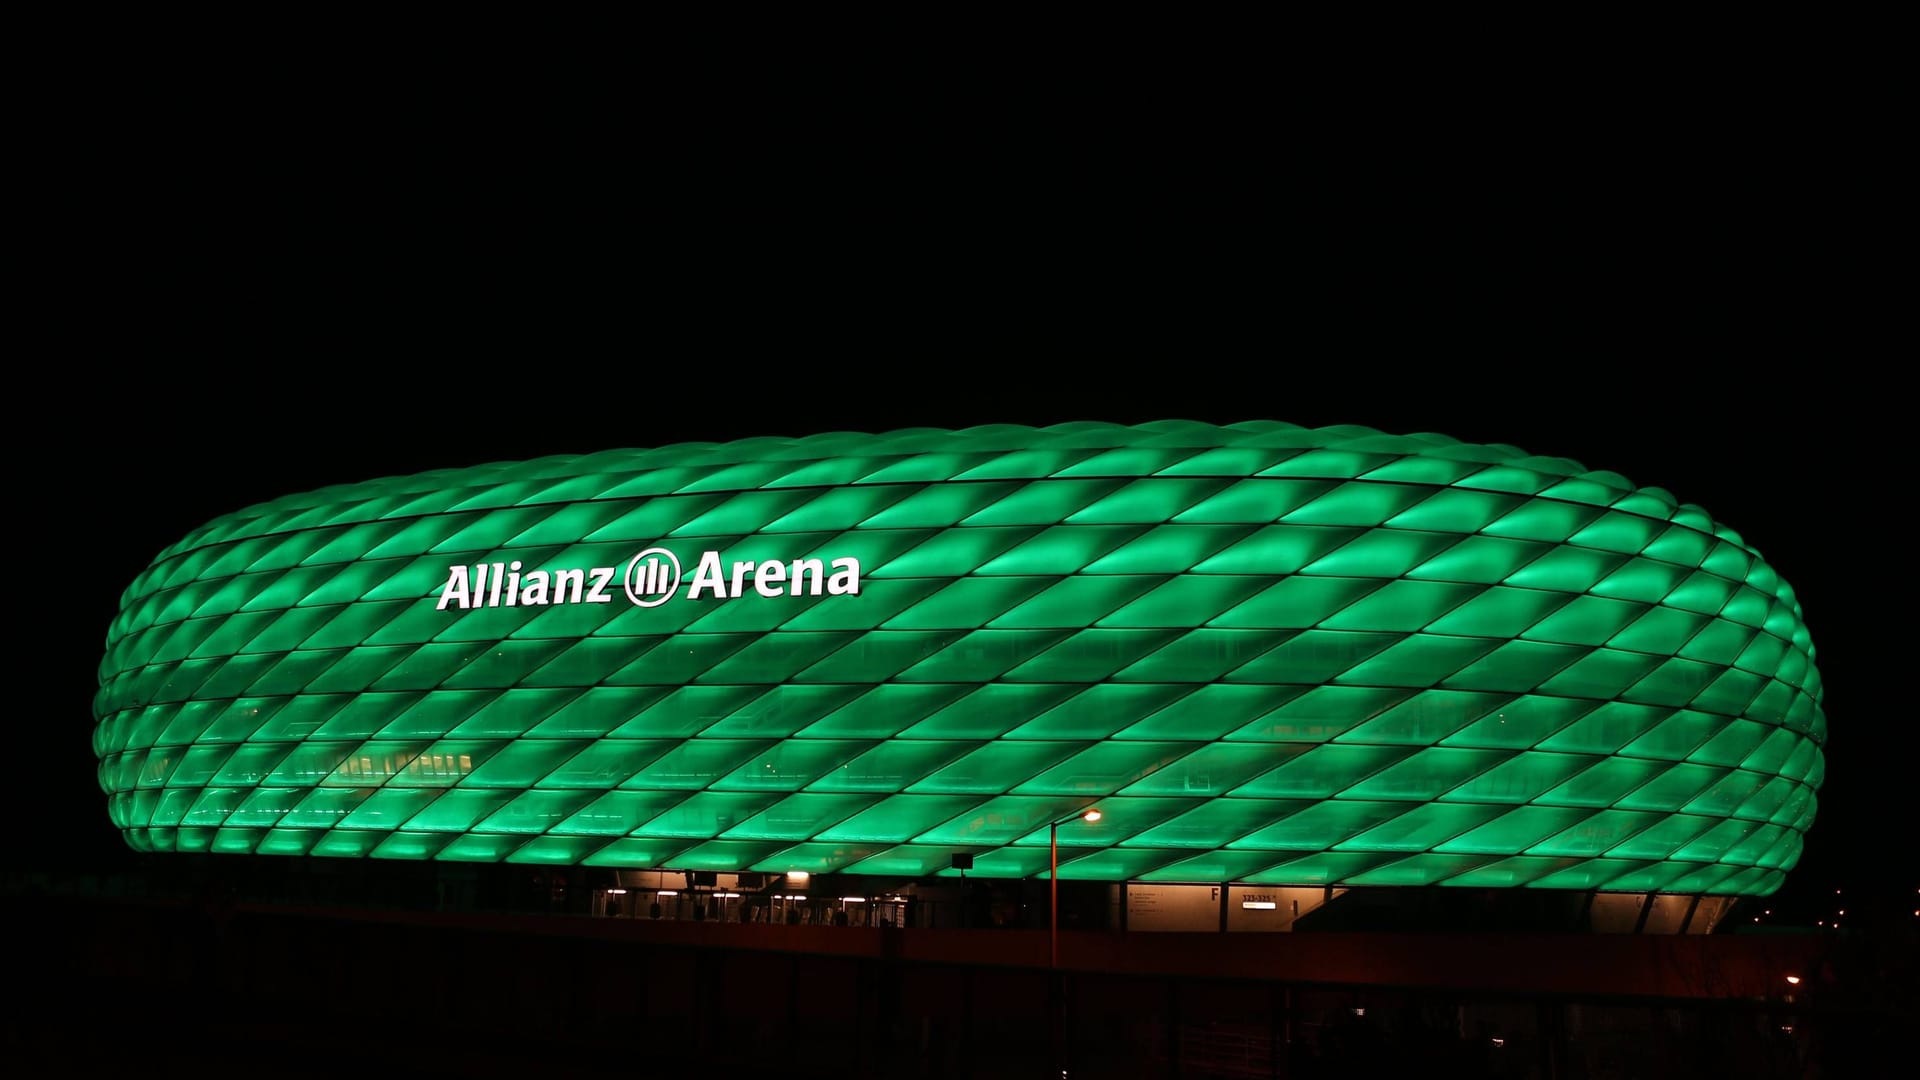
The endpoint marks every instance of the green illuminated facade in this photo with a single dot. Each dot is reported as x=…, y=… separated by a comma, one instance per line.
x=1269, y=654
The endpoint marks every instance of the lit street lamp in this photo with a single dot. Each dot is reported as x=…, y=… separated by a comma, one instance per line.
x=1055, y=992
x=1053, y=879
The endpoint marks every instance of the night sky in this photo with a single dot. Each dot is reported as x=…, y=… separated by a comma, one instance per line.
x=260, y=288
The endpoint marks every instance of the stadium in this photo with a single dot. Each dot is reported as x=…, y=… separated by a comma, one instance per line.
x=1226, y=672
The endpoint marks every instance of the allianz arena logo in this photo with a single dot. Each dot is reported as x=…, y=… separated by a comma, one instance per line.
x=649, y=579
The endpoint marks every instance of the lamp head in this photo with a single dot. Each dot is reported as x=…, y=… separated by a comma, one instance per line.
x=1091, y=815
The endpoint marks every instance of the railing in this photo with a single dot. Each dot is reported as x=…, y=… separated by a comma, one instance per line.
x=1216, y=1050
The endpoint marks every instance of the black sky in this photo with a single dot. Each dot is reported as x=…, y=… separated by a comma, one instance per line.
x=255, y=285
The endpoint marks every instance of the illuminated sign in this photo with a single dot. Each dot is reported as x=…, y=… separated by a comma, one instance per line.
x=651, y=578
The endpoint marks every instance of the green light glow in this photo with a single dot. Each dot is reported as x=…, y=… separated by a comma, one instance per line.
x=1273, y=654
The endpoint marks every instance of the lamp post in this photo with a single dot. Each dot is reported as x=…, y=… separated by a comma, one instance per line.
x=1055, y=992
x=1053, y=879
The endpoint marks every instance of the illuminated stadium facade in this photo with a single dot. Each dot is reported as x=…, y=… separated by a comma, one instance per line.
x=1271, y=656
